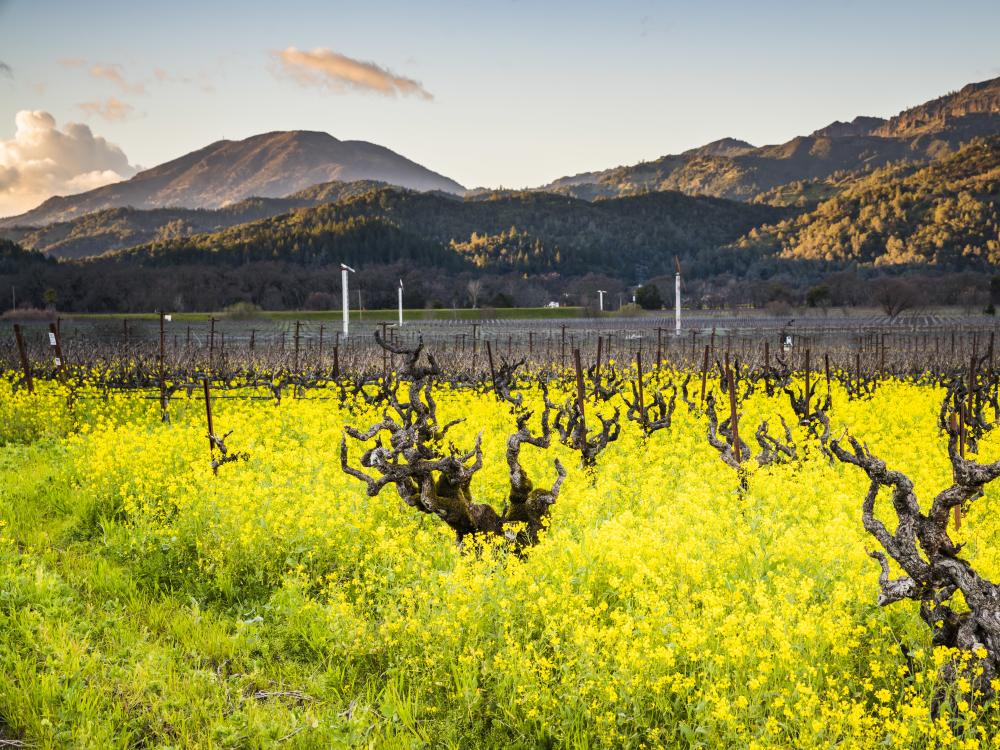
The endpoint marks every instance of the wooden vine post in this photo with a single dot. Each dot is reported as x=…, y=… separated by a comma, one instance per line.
x=704, y=375
x=211, y=343
x=385, y=352
x=960, y=426
x=475, y=347
x=807, y=384
x=562, y=348
x=493, y=371
x=972, y=384
x=580, y=393
x=597, y=370
x=23, y=354
x=162, y=378
x=734, y=415
x=638, y=369
x=56, y=344
x=295, y=360
x=208, y=417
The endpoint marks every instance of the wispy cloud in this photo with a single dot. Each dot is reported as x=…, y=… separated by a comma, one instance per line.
x=111, y=109
x=116, y=75
x=72, y=62
x=42, y=160
x=202, y=81
x=5, y=70
x=324, y=67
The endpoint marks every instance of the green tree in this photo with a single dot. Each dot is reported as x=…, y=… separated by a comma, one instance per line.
x=995, y=290
x=818, y=296
x=648, y=297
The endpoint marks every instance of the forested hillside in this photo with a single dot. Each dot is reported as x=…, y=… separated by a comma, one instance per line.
x=96, y=233
x=946, y=213
x=527, y=232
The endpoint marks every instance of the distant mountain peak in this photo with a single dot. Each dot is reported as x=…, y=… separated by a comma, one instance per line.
x=860, y=125
x=268, y=165
x=721, y=147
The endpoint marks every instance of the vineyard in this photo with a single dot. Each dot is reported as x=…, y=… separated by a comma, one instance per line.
x=562, y=536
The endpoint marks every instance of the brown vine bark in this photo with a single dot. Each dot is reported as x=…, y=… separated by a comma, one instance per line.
x=933, y=571
x=436, y=481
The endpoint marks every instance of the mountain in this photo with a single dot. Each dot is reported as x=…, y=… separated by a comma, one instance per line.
x=721, y=147
x=735, y=169
x=112, y=228
x=945, y=213
x=858, y=126
x=974, y=107
x=266, y=166
x=526, y=232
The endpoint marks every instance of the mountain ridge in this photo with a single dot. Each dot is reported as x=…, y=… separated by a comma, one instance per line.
x=729, y=169
x=114, y=228
x=267, y=165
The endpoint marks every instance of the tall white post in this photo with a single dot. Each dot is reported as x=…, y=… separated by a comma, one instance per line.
x=677, y=303
x=601, y=294
x=343, y=285
x=401, y=303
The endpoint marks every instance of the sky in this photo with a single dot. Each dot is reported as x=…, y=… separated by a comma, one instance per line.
x=508, y=93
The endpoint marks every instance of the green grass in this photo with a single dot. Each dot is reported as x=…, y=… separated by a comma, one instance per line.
x=94, y=654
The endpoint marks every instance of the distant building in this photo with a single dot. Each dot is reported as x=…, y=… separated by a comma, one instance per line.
x=553, y=304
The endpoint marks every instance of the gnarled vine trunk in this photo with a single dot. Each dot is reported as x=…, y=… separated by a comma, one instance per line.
x=933, y=570
x=438, y=481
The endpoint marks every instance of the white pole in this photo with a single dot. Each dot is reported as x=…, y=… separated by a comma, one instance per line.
x=601, y=293
x=400, y=303
x=677, y=303
x=343, y=284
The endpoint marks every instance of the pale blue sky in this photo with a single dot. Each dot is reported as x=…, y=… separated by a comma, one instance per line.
x=524, y=92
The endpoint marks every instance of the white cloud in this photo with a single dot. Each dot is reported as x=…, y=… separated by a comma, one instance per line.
x=111, y=109
x=41, y=160
x=324, y=67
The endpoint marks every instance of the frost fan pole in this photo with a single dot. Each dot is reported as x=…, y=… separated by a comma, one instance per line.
x=677, y=296
x=344, y=268
x=400, y=298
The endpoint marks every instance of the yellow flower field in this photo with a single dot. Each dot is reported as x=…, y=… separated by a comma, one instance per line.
x=145, y=601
